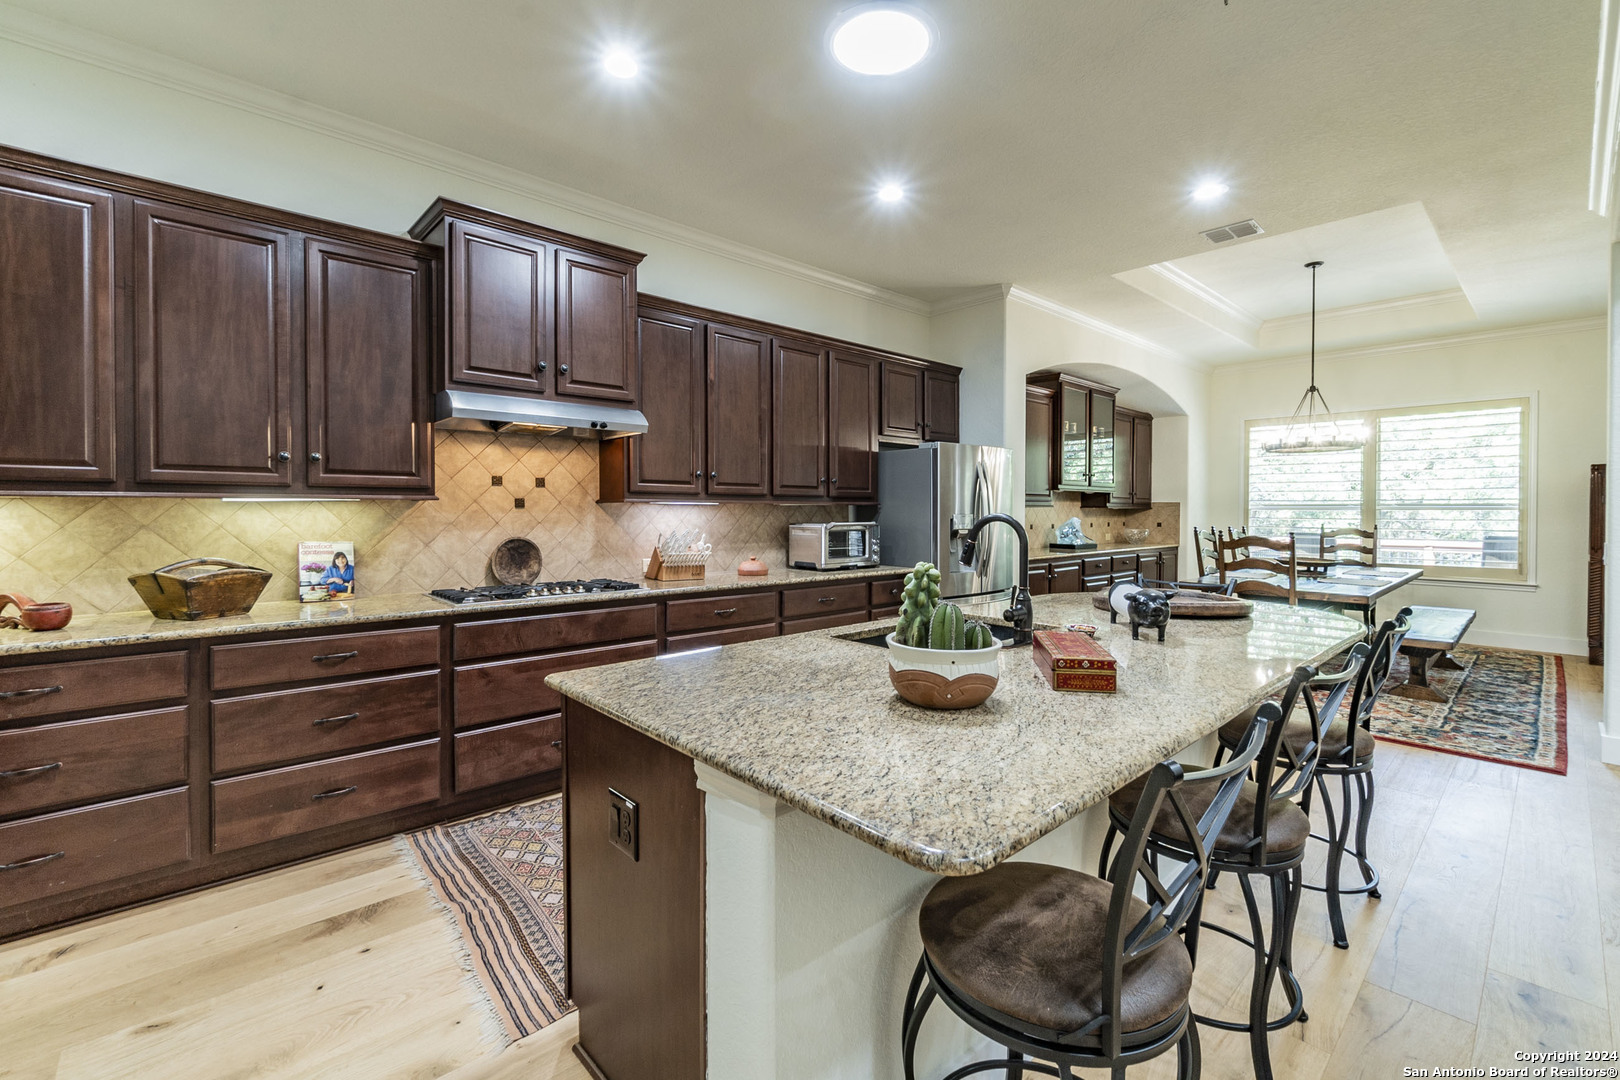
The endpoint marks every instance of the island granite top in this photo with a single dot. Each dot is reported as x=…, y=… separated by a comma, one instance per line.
x=139, y=627
x=813, y=721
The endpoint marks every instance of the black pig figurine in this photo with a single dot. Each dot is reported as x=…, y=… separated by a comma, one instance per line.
x=1149, y=608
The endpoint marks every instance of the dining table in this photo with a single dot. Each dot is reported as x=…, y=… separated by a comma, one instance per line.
x=1349, y=588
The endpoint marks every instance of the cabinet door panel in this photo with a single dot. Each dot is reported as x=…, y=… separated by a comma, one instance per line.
x=1142, y=461
x=668, y=459
x=1038, y=445
x=941, y=406
x=366, y=359
x=902, y=402
x=739, y=429
x=212, y=349
x=500, y=333
x=596, y=315
x=852, y=426
x=1105, y=448
x=56, y=330
x=799, y=419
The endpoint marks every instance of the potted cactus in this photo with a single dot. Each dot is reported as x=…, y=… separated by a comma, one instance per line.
x=938, y=657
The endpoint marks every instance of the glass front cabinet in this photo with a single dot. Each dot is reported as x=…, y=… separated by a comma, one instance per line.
x=1083, y=444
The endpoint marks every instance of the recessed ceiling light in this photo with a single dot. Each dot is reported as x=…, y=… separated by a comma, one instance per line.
x=881, y=38
x=891, y=193
x=1209, y=190
x=620, y=63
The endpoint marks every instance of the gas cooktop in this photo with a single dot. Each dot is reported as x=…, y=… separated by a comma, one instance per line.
x=484, y=594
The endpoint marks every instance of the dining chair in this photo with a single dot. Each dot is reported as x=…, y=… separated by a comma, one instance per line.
x=1204, y=545
x=1236, y=553
x=1355, y=547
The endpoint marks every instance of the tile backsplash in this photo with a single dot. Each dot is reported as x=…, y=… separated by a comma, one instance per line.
x=1162, y=520
x=83, y=549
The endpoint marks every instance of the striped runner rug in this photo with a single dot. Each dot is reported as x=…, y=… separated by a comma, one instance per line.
x=499, y=880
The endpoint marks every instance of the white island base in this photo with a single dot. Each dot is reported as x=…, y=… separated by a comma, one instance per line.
x=811, y=940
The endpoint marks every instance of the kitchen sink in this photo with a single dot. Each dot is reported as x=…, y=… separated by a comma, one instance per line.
x=1001, y=633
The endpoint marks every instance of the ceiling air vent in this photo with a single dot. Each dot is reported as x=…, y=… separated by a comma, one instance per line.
x=1236, y=231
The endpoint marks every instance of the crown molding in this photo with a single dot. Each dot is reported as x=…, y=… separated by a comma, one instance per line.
x=97, y=50
x=1447, y=341
x=1191, y=285
x=1420, y=300
x=1052, y=307
x=989, y=294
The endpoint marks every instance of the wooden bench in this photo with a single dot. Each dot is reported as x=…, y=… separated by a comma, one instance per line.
x=1435, y=632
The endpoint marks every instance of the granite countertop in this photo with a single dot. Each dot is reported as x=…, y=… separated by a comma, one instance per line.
x=139, y=627
x=1120, y=548
x=812, y=720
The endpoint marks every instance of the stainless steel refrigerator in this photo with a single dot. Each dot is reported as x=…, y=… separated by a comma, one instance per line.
x=930, y=496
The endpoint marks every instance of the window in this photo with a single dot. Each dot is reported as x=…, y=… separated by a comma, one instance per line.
x=1444, y=486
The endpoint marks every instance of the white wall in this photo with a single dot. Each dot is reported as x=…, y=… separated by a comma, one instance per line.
x=974, y=339
x=170, y=122
x=1565, y=375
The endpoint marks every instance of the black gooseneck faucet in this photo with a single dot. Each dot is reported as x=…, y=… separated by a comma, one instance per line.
x=1021, y=613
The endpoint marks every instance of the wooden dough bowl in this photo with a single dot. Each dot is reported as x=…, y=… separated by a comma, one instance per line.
x=933, y=691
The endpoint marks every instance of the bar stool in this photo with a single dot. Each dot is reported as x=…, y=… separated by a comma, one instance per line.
x=1071, y=969
x=1347, y=752
x=1265, y=837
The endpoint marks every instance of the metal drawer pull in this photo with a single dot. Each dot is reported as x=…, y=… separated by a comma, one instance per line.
x=725, y=611
x=556, y=744
x=345, y=718
x=826, y=599
x=35, y=861
x=336, y=656
x=335, y=792
x=12, y=774
x=6, y=695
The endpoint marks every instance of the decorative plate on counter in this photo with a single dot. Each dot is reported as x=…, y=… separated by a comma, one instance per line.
x=1191, y=604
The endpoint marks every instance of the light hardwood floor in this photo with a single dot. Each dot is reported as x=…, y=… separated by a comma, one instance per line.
x=1499, y=931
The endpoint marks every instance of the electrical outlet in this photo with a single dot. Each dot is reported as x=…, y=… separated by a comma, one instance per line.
x=625, y=825
x=496, y=481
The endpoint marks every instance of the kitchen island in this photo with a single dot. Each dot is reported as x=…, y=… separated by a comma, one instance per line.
x=751, y=829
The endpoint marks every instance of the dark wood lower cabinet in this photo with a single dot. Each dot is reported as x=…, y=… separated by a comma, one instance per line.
x=638, y=914
x=77, y=849
x=507, y=752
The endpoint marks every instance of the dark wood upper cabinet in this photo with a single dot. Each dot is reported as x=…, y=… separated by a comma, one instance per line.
x=596, y=319
x=1133, y=439
x=853, y=394
x=941, y=405
x=212, y=349
x=500, y=334
x=366, y=354
x=668, y=460
x=798, y=419
x=1037, y=445
x=739, y=399
x=902, y=402
x=57, y=342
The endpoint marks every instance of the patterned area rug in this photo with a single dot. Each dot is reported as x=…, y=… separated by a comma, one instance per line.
x=1503, y=706
x=500, y=879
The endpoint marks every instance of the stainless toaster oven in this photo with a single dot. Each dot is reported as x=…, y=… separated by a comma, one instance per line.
x=833, y=546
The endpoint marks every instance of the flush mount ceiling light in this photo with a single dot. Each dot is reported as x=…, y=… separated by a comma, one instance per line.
x=1306, y=432
x=1210, y=190
x=620, y=63
x=891, y=193
x=881, y=38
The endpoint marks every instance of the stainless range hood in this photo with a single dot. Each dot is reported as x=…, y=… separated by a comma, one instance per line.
x=461, y=410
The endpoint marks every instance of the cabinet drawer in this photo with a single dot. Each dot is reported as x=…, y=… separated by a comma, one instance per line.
x=1095, y=584
x=1126, y=563
x=822, y=622
x=46, y=689
x=76, y=849
x=730, y=635
x=539, y=633
x=507, y=689
x=887, y=593
x=91, y=759
x=707, y=614
x=1096, y=566
x=268, y=728
x=496, y=755
x=269, y=805
x=267, y=663
x=823, y=600
x=890, y=612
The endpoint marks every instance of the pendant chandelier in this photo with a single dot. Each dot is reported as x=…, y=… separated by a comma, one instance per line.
x=1310, y=431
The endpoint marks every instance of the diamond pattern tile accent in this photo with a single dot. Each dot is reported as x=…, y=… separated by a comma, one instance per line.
x=83, y=550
